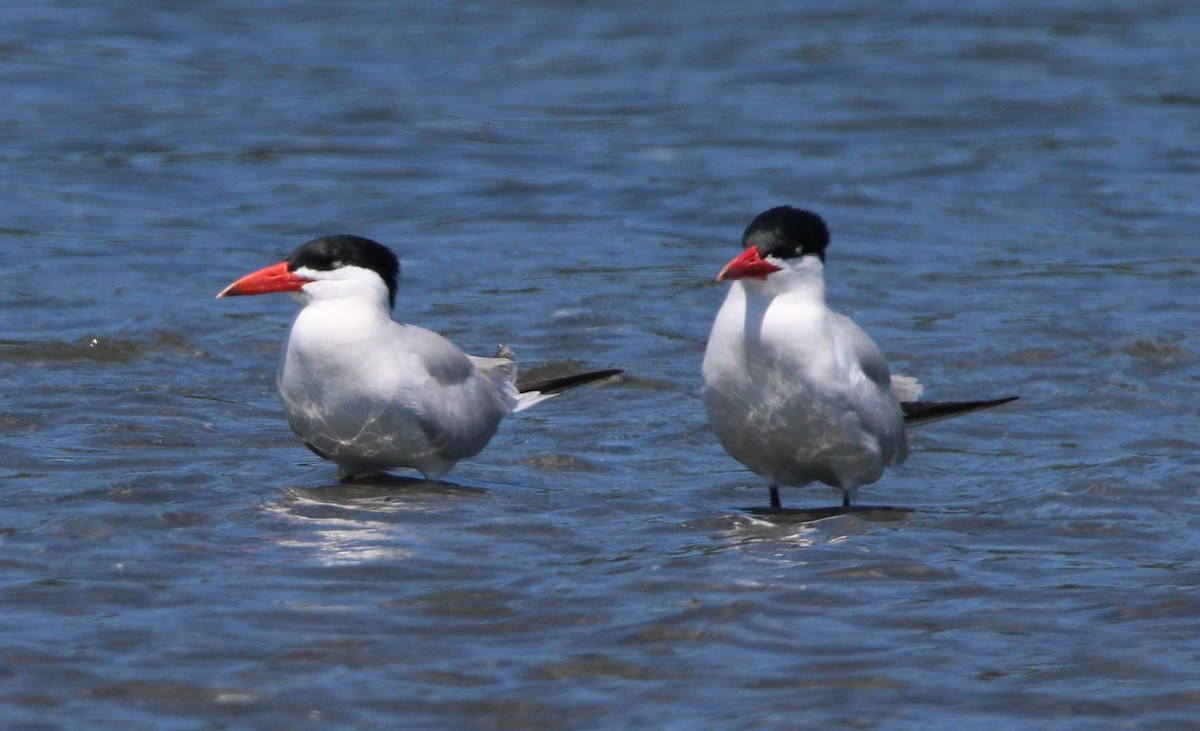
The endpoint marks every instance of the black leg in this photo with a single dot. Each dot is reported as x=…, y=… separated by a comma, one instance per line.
x=775, y=497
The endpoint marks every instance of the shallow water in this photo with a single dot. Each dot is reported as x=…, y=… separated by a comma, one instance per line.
x=1011, y=188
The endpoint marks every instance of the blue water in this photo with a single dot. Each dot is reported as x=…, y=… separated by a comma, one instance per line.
x=1012, y=190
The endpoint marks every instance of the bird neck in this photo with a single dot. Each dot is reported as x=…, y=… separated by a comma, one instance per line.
x=800, y=292
x=345, y=318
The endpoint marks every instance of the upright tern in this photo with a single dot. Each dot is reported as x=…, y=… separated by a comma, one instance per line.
x=795, y=391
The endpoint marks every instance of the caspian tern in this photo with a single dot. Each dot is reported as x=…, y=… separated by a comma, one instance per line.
x=370, y=393
x=795, y=391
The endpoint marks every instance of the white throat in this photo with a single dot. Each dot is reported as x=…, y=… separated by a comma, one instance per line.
x=802, y=278
x=345, y=284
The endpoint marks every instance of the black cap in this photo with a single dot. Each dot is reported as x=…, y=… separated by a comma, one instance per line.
x=786, y=233
x=334, y=252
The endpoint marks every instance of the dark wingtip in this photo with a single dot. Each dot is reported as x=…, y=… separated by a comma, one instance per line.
x=923, y=412
x=563, y=383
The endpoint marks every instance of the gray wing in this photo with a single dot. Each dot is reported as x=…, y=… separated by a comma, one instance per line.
x=458, y=407
x=870, y=357
x=501, y=370
x=881, y=417
x=874, y=364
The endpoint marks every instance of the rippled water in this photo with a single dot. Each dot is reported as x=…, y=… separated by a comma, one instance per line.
x=1012, y=192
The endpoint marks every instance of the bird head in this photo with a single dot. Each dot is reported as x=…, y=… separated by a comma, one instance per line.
x=329, y=267
x=780, y=239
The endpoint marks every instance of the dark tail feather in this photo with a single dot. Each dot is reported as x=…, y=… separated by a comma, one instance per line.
x=924, y=412
x=562, y=383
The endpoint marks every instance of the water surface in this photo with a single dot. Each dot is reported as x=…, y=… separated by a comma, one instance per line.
x=1012, y=192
